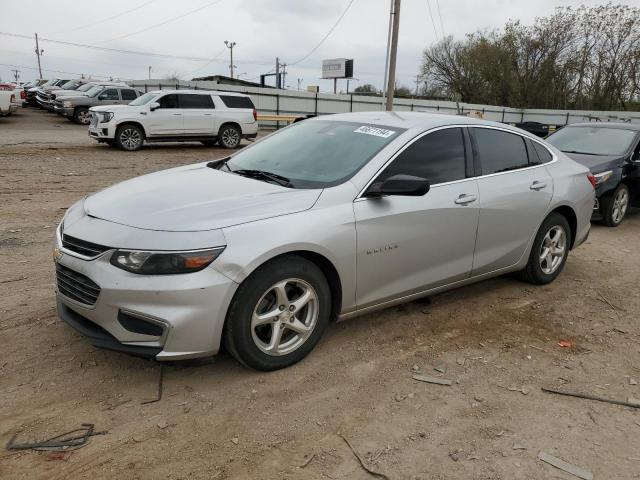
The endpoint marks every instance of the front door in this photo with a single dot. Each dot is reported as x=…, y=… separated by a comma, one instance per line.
x=514, y=196
x=407, y=245
x=198, y=113
x=167, y=119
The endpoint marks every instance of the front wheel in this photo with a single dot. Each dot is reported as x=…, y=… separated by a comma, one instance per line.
x=614, y=207
x=229, y=136
x=549, y=251
x=82, y=116
x=129, y=137
x=278, y=314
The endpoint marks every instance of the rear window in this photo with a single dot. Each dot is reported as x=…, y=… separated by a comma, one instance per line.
x=128, y=94
x=237, y=102
x=540, y=154
x=195, y=101
x=500, y=151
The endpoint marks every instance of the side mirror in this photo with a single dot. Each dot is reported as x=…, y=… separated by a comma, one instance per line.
x=404, y=185
x=153, y=106
x=102, y=96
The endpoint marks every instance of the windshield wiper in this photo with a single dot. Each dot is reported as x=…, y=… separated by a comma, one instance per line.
x=261, y=174
x=583, y=153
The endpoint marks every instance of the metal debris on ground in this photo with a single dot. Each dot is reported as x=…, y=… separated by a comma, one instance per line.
x=67, y=441
x=522, y=390
x=160, y=387
x=564, y=466
x=361, y=461
x=308, y=461
x=437, y=381
x=631, y=402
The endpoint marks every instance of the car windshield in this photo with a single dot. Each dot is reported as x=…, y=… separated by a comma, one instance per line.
x=592, y=140
x=93, y=91
x=69, y=85
x=316, y=153
x=144, y=99
x=86, y=87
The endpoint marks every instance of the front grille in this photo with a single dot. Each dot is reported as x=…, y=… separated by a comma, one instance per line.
x=76, y=286
x=82, y=247
x=94, y=119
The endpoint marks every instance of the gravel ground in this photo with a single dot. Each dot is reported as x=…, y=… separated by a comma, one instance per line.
x=497, y=341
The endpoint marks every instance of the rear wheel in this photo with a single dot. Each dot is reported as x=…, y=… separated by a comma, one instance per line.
x=278, y=314
x=129, y=137
x=229, y=136
x=82, y=116
x=614, y=207
x=549, y=252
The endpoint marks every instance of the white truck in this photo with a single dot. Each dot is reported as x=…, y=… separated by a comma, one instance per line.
x=8, y=102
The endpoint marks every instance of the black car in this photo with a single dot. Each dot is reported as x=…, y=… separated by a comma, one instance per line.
x=537, y=128
x=612, y=152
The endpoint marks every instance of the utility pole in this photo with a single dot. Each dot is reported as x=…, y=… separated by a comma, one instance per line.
x=38, y=53
x=230, y=46
x=299, y=83
x=277, y=72
x=284, y=75
x=149, y=72
x=417, y=83
x=386, y=60
x=393, y=53
x=15, y=74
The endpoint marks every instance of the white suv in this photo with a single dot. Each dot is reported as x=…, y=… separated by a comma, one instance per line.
x=176, y=115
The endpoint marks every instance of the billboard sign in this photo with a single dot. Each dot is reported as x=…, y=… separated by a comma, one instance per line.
x=337, y=68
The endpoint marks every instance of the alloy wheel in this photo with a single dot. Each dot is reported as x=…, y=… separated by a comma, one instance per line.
x=84, y=117
x=130, y=138
x=230, y=137
x=285, y=317
x=553, y=249
x=620, y=204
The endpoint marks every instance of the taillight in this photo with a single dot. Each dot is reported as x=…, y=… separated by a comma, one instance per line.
x=592, y=179
x=23, y=94
x=255, y=115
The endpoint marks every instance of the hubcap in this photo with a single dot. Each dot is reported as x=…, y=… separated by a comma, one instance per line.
x=620, y=204
x=230, y=137
x=84, y=117
x=285, y=317
x=553, y=249
x=130, y=138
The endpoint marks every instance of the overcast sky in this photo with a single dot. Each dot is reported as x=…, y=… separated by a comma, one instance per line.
x=262, y=29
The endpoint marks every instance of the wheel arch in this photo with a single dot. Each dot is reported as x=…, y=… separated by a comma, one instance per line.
x=569, y=213
x=232, y=123
x=132, y=122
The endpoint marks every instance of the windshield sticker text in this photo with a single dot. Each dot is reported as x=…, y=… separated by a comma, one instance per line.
x=378, y=132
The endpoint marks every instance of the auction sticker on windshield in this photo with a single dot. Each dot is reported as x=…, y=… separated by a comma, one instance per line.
x=378, y=132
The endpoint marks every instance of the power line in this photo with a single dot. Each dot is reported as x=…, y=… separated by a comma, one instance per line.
x=210, y=4
x=56, y=71
x=435, y=30
x=104, y=20
x=440, y=15
x=213, y=59
x=326, y=36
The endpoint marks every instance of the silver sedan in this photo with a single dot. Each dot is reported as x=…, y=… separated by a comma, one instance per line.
x=326, y=219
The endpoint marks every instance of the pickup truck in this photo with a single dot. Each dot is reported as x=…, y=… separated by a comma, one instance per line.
x=8, y=102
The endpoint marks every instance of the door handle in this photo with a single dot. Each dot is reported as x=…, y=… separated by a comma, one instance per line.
x=465, y=199
x=176, y=114
x=143, y=113
x=537, y=185
x=207, y=114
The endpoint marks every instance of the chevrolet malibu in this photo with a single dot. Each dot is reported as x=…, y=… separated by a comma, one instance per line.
x=326, y=219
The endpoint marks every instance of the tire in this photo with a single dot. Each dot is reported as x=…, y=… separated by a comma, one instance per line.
x=129, y=137
x=229, y=136
x=614, y=207
x=81, y=116
x=252, y=344
x=540, y=269
x=209, y=143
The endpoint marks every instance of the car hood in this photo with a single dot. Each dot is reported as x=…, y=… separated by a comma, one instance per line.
x=110, y=108
x=596, y=163
x=195, y=198
x=68, y=93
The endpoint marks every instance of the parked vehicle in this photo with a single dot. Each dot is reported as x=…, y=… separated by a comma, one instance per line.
x=8, y=102
x=76, y=108
x=333, y=216
x=46, y=86
x=537, y=128
x=612, y=152
x=46, y=98
x=177, y=115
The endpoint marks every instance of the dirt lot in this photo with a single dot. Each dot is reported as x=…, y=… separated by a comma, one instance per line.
x=219, y=420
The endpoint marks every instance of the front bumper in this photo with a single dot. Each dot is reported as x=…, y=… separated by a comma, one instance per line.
x=189, y=308
x=60, y=110
x=101, y=131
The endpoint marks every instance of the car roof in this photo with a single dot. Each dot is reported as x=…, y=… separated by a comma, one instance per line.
x=418, y=120
x=214, y=92
x=623, y=125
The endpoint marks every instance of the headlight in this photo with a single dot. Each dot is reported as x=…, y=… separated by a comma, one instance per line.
x=164, y=263
x=67, y=104
x=602, y=176
x=105, y=116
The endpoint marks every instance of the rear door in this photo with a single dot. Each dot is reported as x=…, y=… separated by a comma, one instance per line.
x=514, y=196
x=167, y=119
x=407, y=245
x=199, y=114
x=109, y=96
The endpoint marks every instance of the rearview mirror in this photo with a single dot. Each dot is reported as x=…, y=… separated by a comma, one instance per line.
x=153, y=106
x=405, y=185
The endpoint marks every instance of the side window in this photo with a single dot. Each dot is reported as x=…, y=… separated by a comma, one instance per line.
x=128, y=94
x=439, y=157
x=109, y=94
x=169, y=101
x=500, y=151
x=195, y=101
x=540, y=154
x=232, y=101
